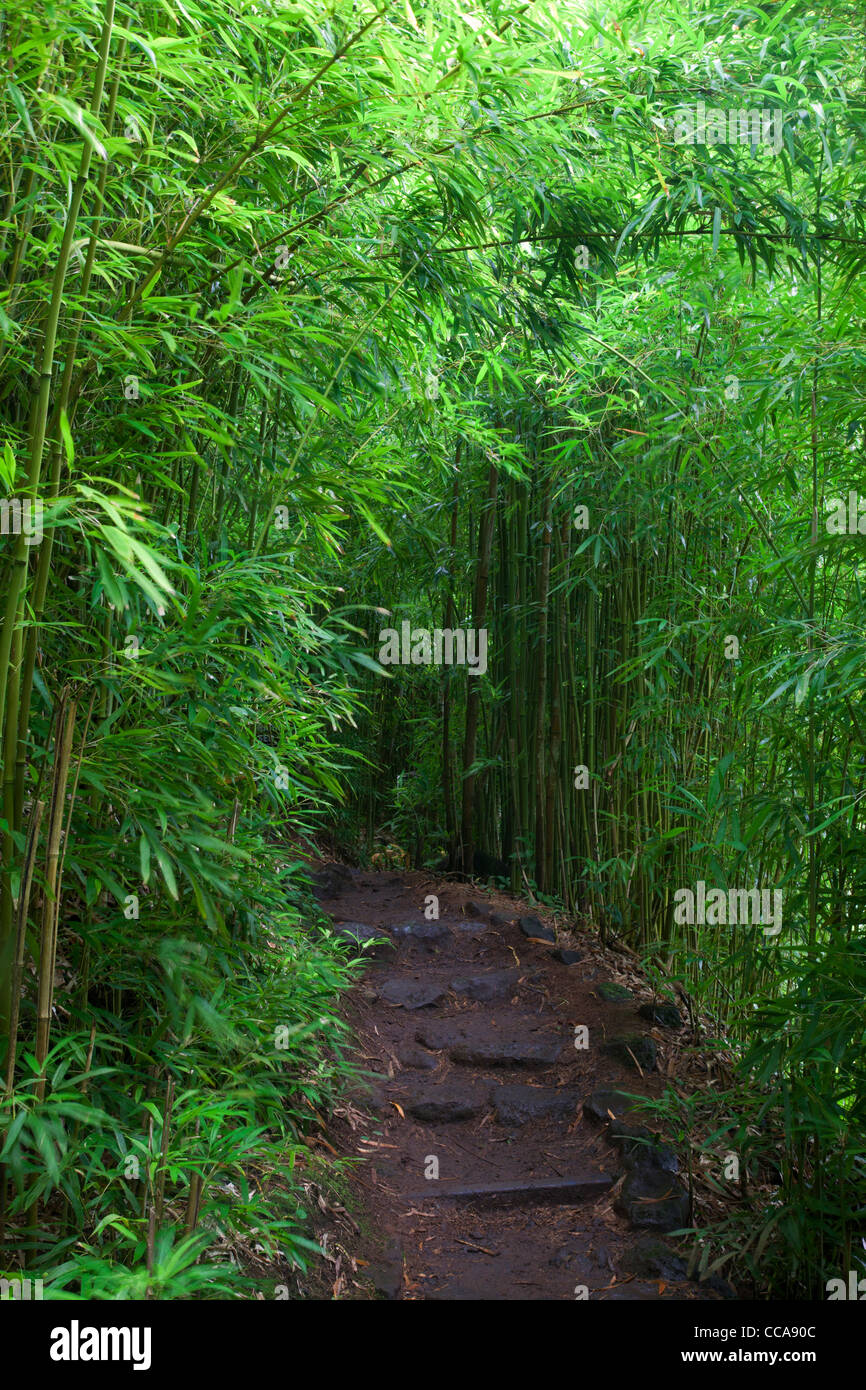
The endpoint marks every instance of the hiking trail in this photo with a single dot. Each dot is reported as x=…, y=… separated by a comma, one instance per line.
x=501, y=1159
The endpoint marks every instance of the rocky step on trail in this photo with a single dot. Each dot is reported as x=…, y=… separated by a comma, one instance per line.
x=502, y=1157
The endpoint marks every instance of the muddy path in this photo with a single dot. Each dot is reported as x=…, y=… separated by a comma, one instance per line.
x=500, y=1159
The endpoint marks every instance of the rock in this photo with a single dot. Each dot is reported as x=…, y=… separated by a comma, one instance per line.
x=601, y=1104
x=411, y=994
x=613, y=994
x=518, y=1052
x=636, y=1050
x=518, y=1104
x=653, y=1155
x=640, y=1147
x=474, y=909
x=531, y=1192
x=668, y=1015
x=473, y=1046
x=653, y=1200
x=622, y=1133
x=500, y=919
x=472, y=928
x=360, y=935
x=535, y=930
x=494, y=984
x=449, y=1103
x=439, y=1036
x=652, y=1259
x=427, y=933
x=568, y=957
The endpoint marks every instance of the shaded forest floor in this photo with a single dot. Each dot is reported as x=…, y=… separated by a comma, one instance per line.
x=495, y=1154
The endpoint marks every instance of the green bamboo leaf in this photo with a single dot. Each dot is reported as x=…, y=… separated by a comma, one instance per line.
x=144, y=858
x=167, y=871
x=73, y=112
x=7, y=466
x=21, y=107
x=67, y=438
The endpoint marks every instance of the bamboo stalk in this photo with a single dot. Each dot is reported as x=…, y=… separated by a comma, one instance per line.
x=65, y=724
x=39, y=417
x=485, y=540
x=21, y=936
x=192, y=1204
x=43, y=566
x=447, y=674
x=542, y=614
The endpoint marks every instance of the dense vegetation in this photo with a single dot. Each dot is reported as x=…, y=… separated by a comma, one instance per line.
x=319, y=318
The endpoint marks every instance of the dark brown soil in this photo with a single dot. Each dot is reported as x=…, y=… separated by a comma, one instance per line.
x=429, y=1113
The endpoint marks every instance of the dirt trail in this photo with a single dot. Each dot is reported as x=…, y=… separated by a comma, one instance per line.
x=486, y=1176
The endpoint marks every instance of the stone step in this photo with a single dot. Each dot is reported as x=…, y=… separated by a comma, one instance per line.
x=517, y=1104
x=487, y=985
x=449, y=1102
x=411, y=994
x=429, y=935
x=520, y=1191
x=472, y=1047
x=518, y=1052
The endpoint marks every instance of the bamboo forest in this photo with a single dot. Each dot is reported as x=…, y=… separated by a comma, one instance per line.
x=432, y=653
